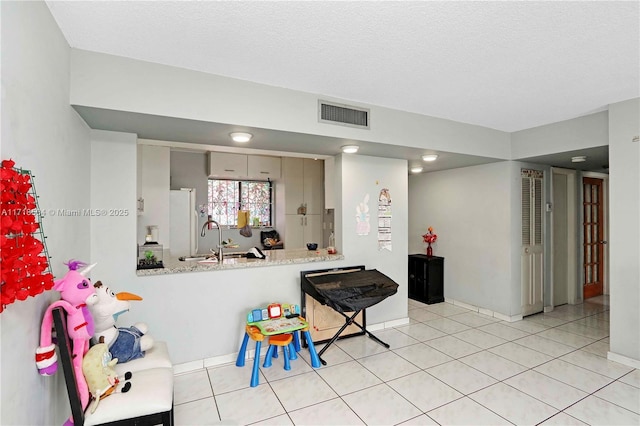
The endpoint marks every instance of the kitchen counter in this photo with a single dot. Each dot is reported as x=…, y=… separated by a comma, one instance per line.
x=273, y=258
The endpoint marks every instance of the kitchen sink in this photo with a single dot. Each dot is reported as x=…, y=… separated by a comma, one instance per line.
x=200, y=257
x=233, y=255
x=196, y=257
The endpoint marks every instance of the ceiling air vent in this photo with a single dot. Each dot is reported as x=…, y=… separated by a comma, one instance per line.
x=343, y=114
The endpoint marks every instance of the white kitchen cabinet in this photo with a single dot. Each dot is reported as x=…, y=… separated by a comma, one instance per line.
x=304, y=201
x=302, y=229
x=293, y=175
x=314, y=186
x=329, y=183
x=263, y=167
x=227, y=165
x=154, y=185
x=242, y=166
x=304, y=185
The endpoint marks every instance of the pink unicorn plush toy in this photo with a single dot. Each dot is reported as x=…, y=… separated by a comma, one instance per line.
x=76, y=293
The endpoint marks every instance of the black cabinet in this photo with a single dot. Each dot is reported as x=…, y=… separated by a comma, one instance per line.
x=426, y=278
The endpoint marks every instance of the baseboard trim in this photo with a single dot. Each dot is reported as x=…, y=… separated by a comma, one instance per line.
x=485, y=311
x=623, y=359
x=226, y=359
x=217, y=361
x=188, y=367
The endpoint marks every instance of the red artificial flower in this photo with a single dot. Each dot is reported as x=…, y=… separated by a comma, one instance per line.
x=22, y=260
x=8, y=163
x=22, y=294
x=429, y=237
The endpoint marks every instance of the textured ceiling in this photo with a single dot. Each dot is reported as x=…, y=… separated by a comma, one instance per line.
x=503, y=65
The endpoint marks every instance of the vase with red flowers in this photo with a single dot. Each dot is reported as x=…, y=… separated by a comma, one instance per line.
x=429, y=238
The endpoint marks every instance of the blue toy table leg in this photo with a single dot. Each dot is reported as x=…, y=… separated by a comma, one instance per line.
x=287, y=363
x=292, y=352
x=271, y=352
x=243, y=351
x=296, y=341
x=255, y=375
x=315, y=359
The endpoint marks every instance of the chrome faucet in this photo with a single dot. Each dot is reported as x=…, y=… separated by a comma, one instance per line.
x=202, y=233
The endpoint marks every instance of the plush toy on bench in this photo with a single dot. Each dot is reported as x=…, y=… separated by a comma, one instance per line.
x=124, y=343
x=76, y=292
x=102, y=379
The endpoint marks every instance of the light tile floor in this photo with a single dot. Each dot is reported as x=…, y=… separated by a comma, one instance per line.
x=449, y=366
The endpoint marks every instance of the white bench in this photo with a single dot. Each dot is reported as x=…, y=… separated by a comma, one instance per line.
x=150, y=399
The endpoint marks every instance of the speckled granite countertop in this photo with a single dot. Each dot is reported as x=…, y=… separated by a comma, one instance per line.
x=273, y=258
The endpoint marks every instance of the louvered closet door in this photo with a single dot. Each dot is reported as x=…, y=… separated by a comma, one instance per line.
x=532, y=250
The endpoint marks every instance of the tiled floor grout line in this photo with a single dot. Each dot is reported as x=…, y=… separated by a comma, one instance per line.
x=561, y=316
x=532, y=368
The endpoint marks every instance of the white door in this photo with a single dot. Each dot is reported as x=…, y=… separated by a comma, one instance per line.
x=532, y=253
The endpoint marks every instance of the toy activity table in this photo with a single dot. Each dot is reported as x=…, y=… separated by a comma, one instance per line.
x=258, y=330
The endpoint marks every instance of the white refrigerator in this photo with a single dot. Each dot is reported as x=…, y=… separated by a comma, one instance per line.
x=183, y=222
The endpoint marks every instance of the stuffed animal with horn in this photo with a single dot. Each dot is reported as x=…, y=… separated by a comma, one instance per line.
x=124, y=343
x=76, y=293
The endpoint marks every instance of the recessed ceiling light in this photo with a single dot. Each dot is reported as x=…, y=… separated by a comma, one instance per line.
x=241, y=137
x=417, y=169
x=579, y=159
x=350, y=149
x=429, y=157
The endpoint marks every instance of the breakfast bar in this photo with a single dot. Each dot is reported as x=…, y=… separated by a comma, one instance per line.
x=172, y=265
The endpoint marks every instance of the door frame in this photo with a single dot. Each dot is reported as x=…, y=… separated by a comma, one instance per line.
x=605, y=231
x=572, y=236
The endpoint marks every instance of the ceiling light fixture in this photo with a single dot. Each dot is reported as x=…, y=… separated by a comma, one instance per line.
x=417, y=169
x=241, y=137
x=350, y=149
x=429, y=157
x=579, y=159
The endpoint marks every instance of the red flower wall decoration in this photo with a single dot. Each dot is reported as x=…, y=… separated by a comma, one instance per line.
x=24, y=260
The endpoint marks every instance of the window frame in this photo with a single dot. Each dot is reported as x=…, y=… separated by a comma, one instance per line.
x=238, y=203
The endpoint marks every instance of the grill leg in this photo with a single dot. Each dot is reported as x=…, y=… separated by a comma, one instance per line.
x=347, y=323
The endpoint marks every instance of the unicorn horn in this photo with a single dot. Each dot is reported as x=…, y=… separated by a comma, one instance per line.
x=87, y=269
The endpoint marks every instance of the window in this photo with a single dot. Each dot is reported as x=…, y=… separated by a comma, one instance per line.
x=227, y=197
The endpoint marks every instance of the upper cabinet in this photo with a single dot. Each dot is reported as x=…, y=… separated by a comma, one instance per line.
x=227, y=165
x=262, y=167
x=242, y=166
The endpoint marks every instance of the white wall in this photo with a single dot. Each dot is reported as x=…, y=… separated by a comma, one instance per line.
x=42, y=133
x=362, y=175
x=471, y=211
x=588, y=131
x=113, y=169
x=624, y=206
x=117, y=83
